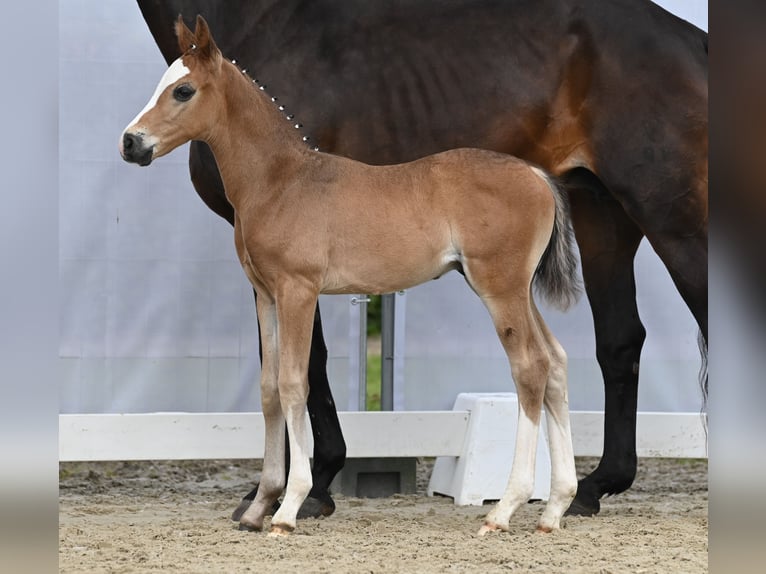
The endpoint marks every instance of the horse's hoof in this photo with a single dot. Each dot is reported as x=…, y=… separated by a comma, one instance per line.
x=490, y=527
x=248, y=526
x=544, y=529
x=314, y=507
x=583, y=507
x=280, y=530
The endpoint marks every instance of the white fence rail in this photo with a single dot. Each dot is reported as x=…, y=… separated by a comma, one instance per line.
x=179, y=436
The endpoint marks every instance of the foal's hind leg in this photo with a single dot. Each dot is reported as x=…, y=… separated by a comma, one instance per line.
x=556, y=401
x=530, y=364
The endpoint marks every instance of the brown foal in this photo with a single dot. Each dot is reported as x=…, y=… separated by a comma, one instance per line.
x=304, y=225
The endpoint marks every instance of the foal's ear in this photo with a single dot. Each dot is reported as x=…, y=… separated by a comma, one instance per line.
x=206, y=46
x=185, y=36
x=201, y=41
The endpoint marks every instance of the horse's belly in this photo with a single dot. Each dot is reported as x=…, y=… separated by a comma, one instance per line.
x=387, y=271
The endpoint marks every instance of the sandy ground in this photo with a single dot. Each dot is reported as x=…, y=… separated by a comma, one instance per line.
x=174, y=517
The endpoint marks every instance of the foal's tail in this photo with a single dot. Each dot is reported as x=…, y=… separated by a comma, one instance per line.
x=556, y=277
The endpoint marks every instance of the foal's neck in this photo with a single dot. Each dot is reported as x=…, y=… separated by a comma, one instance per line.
x=255, y=145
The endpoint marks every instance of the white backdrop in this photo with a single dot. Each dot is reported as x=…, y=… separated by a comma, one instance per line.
x=155, y=312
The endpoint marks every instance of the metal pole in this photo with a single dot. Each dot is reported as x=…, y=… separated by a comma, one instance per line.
x=363, y=356
x=362, y=350
x=387, y=352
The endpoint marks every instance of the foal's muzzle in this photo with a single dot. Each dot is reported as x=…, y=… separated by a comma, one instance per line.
x=134, y=150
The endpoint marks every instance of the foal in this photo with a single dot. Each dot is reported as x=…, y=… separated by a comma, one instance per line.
x=304, y=226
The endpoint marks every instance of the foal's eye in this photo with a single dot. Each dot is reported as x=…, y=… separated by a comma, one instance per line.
x=183, y=93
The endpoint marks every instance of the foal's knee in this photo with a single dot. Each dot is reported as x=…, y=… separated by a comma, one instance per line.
x=270, y=405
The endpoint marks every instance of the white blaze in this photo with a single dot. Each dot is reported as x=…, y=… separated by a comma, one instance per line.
x=175, y=72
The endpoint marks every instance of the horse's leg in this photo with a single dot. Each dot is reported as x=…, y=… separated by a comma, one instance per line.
x=273, y=474
x=530, y=364
x=686, y=260
x=329, y=445
x=295, y=313
x=556, y=401
x=677, y=231
x=608, y=241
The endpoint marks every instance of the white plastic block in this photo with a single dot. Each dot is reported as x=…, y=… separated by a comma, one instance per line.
x=481, y=472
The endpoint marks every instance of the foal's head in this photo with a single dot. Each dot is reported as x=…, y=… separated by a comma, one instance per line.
x=180, y=108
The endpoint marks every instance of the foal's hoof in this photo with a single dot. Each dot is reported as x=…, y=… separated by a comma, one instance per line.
x=244, y=504
x=280, y=530
x=248, y=526
x=314, y=507
x=236, y=516
x=544, y=529
x=490, y=527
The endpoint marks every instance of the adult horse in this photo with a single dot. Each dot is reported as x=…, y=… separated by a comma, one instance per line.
x=609, y=96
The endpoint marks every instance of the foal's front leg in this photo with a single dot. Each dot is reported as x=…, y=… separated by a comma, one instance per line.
x=295, y=315
x=273, y=475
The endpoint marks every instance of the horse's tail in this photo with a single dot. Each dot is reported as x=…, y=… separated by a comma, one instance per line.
x=702, y=342
x=556, y=277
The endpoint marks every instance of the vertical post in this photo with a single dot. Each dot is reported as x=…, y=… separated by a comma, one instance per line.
x=387, y=352
x=363, y=353
x=404, y=469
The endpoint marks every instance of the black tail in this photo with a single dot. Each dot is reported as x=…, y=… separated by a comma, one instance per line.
x=556, y=277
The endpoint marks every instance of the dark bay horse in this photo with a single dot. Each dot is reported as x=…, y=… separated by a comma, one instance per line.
x=609, y=96
x=302, y=226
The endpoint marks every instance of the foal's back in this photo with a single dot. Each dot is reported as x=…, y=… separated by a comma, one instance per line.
x=392, y=227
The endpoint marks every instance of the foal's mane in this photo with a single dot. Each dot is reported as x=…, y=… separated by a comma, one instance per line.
x=275, y=100
x=200, y=44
